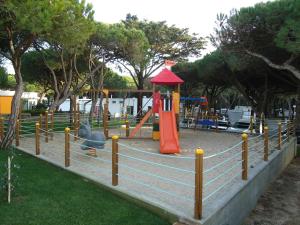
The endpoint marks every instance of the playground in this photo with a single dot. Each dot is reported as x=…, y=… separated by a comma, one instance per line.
x=182, y=171
x=166, y=179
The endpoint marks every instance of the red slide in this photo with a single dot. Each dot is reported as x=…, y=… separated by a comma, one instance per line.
x=169, y=143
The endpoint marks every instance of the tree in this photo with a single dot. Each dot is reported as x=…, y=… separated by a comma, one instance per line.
x=21, y=23
x=62, y=54
x=143, y=46
x=35, y=72
x=207, y=76
x=268, y=32
x=3, y=78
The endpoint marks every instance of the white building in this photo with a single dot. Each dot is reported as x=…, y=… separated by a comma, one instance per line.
x=116, y=106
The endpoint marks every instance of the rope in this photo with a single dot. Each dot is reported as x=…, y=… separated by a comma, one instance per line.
x=222, y=174
x=227, y=150
x=157, y=164
x=219, y=188
x=152, y=187
x=222, y=163
x=27, y=132
x=274, y=135
x=104, y=150
x=99, y=159
x=261, y=145
x=156, y=176
x=89, y=166
x=284, y=140
x=25, y=135
x=254, y=138
x=86, y=139
x=155, y=154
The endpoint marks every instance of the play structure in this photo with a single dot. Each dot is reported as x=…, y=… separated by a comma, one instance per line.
x=163, y=114
x=168, y=110
x=195, y=113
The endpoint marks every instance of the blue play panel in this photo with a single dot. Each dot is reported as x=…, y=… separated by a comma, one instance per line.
x=206, y=122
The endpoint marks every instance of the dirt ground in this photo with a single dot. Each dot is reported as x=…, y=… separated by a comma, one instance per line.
x=280, y=205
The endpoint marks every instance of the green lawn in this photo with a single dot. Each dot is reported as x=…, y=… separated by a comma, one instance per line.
x=49, y=195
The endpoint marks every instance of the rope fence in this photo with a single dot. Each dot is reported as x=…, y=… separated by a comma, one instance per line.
x=203, y=175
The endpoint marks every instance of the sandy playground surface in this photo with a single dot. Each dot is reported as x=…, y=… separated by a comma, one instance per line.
x=161, y=179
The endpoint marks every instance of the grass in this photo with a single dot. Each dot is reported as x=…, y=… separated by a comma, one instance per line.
x=49, y=195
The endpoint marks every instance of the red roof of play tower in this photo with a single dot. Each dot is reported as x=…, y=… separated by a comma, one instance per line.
x=166, y=77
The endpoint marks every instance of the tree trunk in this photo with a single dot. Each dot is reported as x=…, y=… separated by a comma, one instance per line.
x=93, y=106
x=72, y=105
x=15, y=110
x=101, y=82
x=140, y=100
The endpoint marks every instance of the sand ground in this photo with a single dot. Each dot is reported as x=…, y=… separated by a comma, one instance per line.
x=167, y=181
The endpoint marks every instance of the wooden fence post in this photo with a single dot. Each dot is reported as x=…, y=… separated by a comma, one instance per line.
x=105, y=120
x=18, y=133
x=245, y=156
x=198, y=183
x=37, y=138
x=288, y=130
x=115, y=160
x=76, y=129
x=127, y=128
x=251, y=124
x=266, y=143
x=46, y=126
x=1, y=128
x=52, y=125
x=294, y=127
x=279, y=135
x=67, y=147
x=41, y=121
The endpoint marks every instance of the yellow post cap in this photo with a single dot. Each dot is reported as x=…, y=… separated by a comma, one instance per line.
x=266, y=128
x=67, y=129
x=244, y=136
x=37, y=123
x=199, y=151
x=115, y=137
x=126, y=121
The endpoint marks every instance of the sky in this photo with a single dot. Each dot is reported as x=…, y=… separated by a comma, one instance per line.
x=199, y=16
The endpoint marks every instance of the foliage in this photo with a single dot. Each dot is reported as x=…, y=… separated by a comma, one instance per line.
x=145, y=45
x=270, y=29
x=3, y=78
x=114, y=81
x=261, y=47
